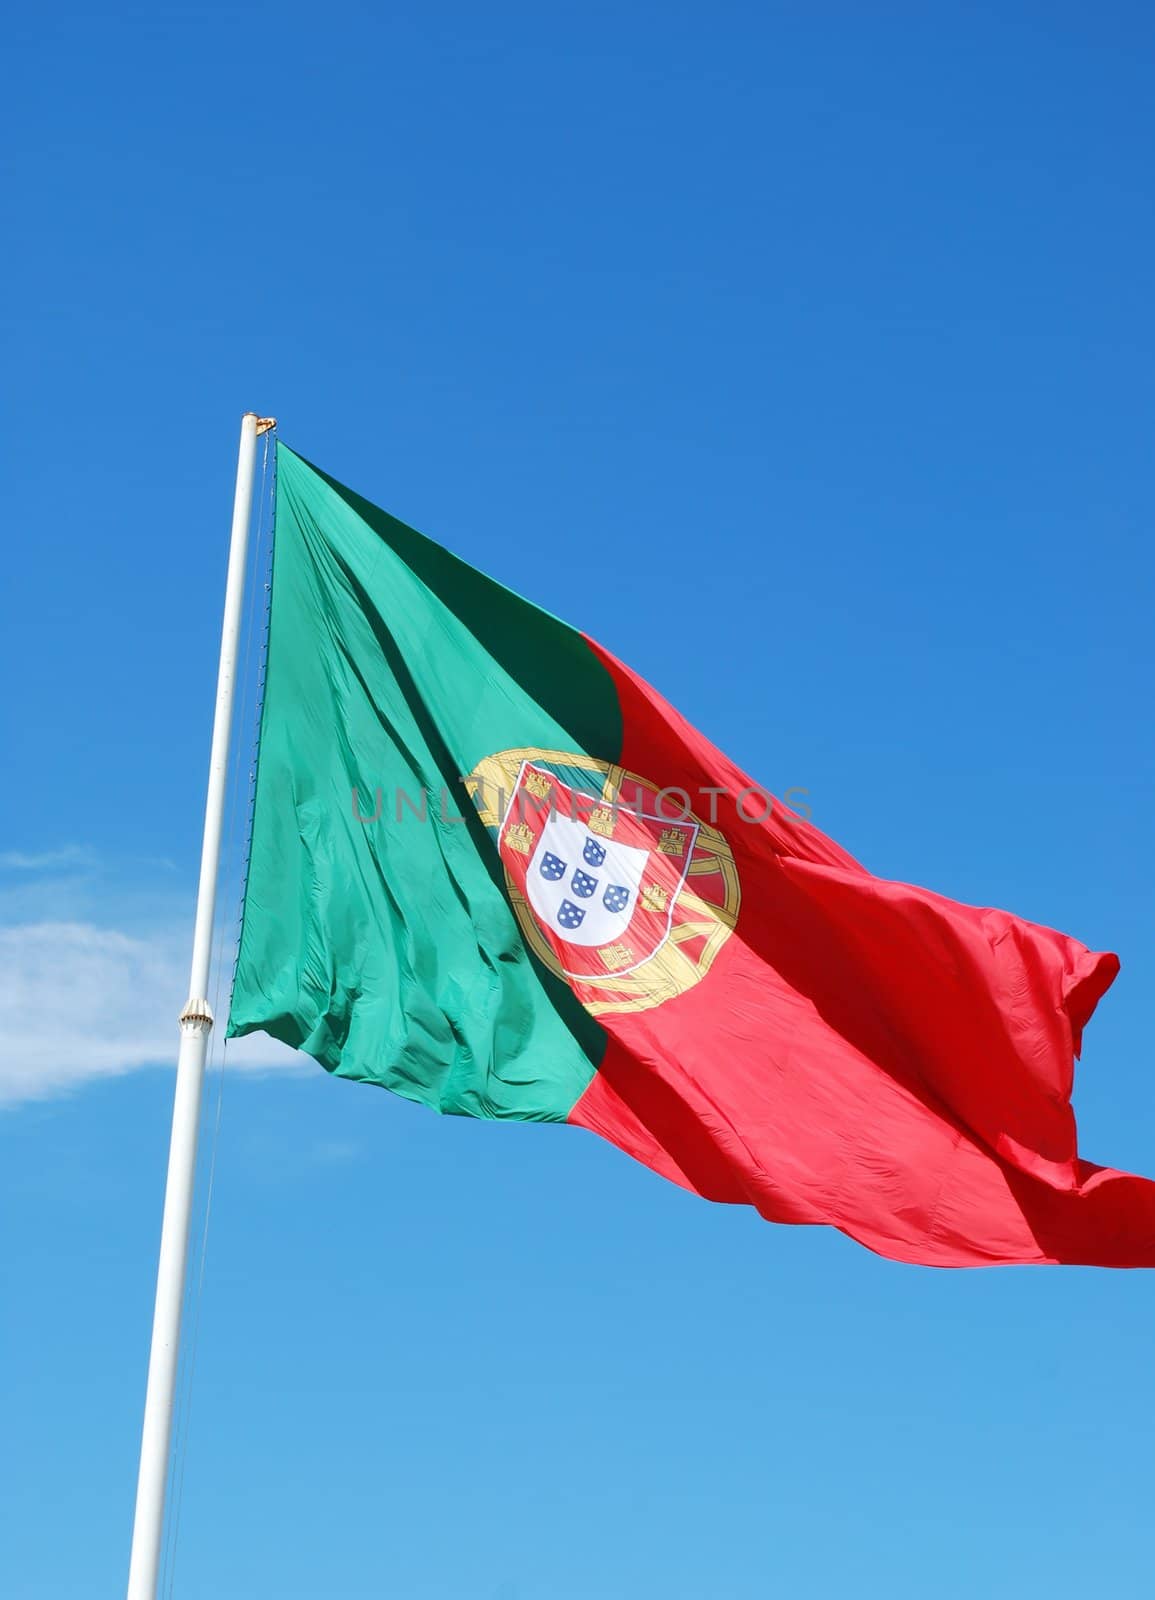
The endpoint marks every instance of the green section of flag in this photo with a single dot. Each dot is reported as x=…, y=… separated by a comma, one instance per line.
x=388, y=950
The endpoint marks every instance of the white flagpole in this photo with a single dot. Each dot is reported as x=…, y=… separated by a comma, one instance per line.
x=196, y=1021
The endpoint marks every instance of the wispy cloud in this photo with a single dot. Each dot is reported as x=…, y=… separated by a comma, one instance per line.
x=83, y=1000
x=69, y=855
x=95, y=970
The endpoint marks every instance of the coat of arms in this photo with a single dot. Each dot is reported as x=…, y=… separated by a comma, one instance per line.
x=625, y=897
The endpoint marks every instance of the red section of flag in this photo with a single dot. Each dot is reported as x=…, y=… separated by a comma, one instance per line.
x=863, y=1053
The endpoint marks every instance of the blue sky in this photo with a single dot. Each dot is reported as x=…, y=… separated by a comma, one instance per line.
x=803, y=355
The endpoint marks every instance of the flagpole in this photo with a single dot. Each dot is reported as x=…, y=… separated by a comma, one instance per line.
x=196, y=1021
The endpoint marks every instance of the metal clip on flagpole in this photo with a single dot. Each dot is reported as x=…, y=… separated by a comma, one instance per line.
x=196, y=1021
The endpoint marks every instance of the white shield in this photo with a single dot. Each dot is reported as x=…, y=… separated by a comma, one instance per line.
x=582, y=886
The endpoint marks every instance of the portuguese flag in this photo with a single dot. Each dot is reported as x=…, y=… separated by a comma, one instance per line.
x=494, y=871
